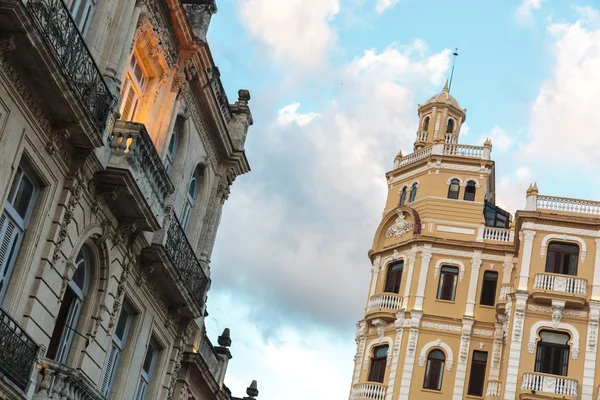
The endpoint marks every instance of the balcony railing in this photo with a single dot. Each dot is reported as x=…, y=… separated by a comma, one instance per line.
x=562, y=204
x=422, y=136
x=389, y=301
x=18, y=351
x=559, y=385
x=560, y=283
x=505, y=291
x=368, y=391
x=61, y=382
x=494, y=388
x=60, y=32
x=463, y=150
x=183, y=257
x=498, y=234
x=414, y=157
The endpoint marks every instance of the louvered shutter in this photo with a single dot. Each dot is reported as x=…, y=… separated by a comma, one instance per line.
x=129, y=101
x=68, y=331
x=10, y=237
x=141, y=390
x=109, y=369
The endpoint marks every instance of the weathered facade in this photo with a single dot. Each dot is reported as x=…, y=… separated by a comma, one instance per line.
x=118, y=148
x=466, y=303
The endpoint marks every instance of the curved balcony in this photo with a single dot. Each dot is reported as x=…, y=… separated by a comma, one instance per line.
x=368, y=391
x=58, y=379
x=548, y=287
x=543, y=386
x=384, y=305
x=494, y=389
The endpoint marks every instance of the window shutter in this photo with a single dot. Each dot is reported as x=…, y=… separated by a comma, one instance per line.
x=111, y=363
x=141, y=390
x=10, y=235
x=129, y=102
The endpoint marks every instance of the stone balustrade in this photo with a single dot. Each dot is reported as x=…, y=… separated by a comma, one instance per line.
x=390, y=301
x=552, y=384
x=498, y=234
x=368, y=391
x=560, y=283
x=505, y=291
x=494, y=389
x=464, y=150
x=63, y=383
x=414, y=157
x=562, y=204
x=422, y=136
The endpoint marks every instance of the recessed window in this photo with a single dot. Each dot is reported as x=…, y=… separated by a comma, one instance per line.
x=562, y=258
x=133, y=89
x=147, y=369
x=447, y=284
x=477, y=376
x=470, y=191
x=552, y=356
x=173, y=145
x=394, y=277
x=403, y=196
x=378, y=364
x=81, y=11
x=450, y=126
x=454, y=189
x=426, y=123
x=434, y=371
x=488, y=288
x=116, y=348
x=413, y=192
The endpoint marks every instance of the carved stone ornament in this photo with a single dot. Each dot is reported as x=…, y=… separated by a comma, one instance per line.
x=531, y=347
x=76, y=191
x=557, y=313
x=422, y=360
x=449, y=365
x=400, y=226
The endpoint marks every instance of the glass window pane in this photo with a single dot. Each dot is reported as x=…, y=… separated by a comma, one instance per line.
x=150, y=354
x=22, y=197
x=381, y=351
x=554, y=337
x=122, y=324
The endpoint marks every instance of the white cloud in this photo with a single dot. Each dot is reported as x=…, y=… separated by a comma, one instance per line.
x=500, y=139
x=511, y=189
x=296, y=30
x=524, y=12
x=564, y=117
x=289, y=115
x=383, y=5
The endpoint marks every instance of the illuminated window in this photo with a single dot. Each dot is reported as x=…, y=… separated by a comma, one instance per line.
x=133, y=89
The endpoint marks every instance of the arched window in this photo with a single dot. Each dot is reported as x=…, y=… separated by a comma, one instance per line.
x=454, y=189
x=450, y=126
x=70, y=308
x=435, y=370
x=403, y=196
x=488, y=288
x=552, y=356
x=470, y=191
x=413, y=192
x=394, y=277
x=378, y=364
x=190, y=200
x=447, y=284
x=426, y=123
x=562, y=258
x=173, y=145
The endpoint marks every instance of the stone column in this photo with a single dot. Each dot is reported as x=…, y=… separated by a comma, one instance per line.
x=128, y=41
x=507, y=268
x=475, y=267
x=411, y=350
x=591, y=347
x=361, y=331
x=497, y=351
x=516, y=341
x=119, y=43
x=374, y=273
x=399, y=324
x=526, y=261
x=412, y=255
x=425, y=259
x=463, y=358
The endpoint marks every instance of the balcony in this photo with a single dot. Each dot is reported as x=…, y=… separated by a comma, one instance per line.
x=51, y=59
x=170, y=262
x=61, y=382
x=445, y=149
x=496, y=235
x=135, y=179
x=548, y=287
x=561, y=205
x=494, y=389
x=18, y=353
x=384, y=305
x=542, y=386
x=505, y=291
x=368, y=391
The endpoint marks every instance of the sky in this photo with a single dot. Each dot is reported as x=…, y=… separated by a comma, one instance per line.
x=335, y=88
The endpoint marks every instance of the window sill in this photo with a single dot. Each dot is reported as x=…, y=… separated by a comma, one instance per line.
x=446, y=301
x=472, y=396
x=431, y=391
x=486, y=306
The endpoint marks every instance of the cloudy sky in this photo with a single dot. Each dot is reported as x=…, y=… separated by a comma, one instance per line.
x=335, y=86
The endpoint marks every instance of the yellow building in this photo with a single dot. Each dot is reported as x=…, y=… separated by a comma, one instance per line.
x=465, y=302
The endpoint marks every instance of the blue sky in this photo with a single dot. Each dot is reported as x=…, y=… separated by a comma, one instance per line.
x=335, y=86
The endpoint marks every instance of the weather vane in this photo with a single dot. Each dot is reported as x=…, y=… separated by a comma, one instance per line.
x=452, y=73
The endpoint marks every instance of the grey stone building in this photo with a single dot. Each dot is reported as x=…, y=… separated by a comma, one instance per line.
x=118, y=148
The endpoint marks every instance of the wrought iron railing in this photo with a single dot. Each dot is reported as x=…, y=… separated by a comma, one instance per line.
x=58, y=380
x=61, y=33
x=18, y=351
x=182, y=255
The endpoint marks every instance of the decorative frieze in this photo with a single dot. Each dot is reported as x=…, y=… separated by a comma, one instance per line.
x=399, y=227
x=548, y=309
x=441, y=327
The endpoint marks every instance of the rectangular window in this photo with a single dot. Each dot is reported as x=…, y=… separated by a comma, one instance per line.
x=477, y=376
x=394, y=278
x=447, y=284
x=552, y=359
x=562, y=258
x=81, y=11
x=378, y=364
x=116, y=348
x=147, y=369
x=133, y=90
x=488, y=288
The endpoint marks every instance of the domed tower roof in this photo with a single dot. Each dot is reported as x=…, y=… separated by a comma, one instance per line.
x=444, y=97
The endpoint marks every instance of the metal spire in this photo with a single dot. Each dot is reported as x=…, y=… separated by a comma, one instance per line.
x=452, y=73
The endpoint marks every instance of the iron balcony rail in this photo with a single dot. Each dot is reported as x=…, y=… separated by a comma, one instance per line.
x=182, y=255
x=18, y=351
x=58, y=29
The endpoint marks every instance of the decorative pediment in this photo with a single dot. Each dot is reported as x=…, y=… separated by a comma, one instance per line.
x=400, y=226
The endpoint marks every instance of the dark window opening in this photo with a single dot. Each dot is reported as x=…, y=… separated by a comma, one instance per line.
x=378, y=364
x=488, y=288
x=450, y=126
x=413, y=192
x=562, y=258
x=477, y=375
x=552, y=356
x=403, y=196
x=394, y=277
x=447, y=284
x=496, y=217
x=426, y=123
x=470, y=191
x=454, y=189
x=434, y=372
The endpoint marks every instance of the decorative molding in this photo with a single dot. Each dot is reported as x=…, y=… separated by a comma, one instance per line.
x=76, y=191
x=465, y=254
x=377, y=342
x=483, y=332
x=454, y=229
x=564, y=238
x=533, y=335
x=449, y=261
x=399, y=227
x=437, y=343
x=441, y=327
x=548, y=309
x=560, y=229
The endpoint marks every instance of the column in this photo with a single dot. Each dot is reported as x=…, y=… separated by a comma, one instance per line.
x=589, y=365
x=374, y=274
x=425, y=259
x=399, y=324
x=412, y=255
x=516, y=340
x=411, y=349
x=463, y=357
x=496, y=351
x=507, y=268
x=361, y=330
x=596, y=281
x=124, y=25
x=526, y=260
x=475, y=267
x=128, y=39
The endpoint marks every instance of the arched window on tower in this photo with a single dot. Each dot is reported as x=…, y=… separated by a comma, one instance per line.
x=552, y=355
x=413, y=192
x=378, y=364
x=450, y=126
x=434, y=372
x=394, y=277
x=454, y=189
x=70, y=308
x=173, y=145
x=470, y=191
x=426, y=123
x=403, y=196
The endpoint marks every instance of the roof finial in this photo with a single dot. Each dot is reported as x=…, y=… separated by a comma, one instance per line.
x=455, y=54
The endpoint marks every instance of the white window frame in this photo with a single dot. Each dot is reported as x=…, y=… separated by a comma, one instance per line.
x=145, y=376
x=81, y=12
x=171, y=154
x=133, y=85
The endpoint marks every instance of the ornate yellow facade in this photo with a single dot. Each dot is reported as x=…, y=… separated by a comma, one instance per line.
x=467, y=302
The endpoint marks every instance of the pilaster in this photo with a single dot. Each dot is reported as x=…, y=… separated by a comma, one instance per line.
x=411, y=349
x=591, y=347
x=412, y=255
x=425, y=259
x=463, y=357
x=596, y=281
x=514, y=355
x=399, y=324
x=475, y=267
x=374, y=273
x=526, y=260
x=361, y=331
